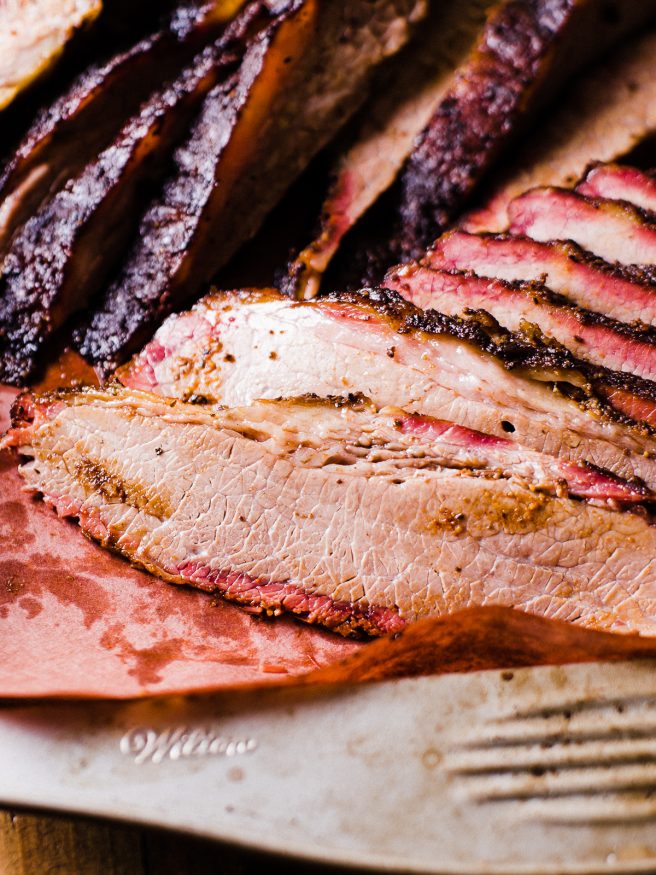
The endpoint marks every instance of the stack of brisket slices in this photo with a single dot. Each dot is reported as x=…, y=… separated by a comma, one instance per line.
x=139, y=183
x=480, y=431
x=142, y=179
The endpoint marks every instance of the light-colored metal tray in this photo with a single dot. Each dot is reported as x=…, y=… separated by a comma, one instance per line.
x=534, y=771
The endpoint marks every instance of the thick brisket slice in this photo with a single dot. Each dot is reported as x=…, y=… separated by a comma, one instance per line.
x=587, y=335
x=65, y=251
x=605, y=114
x=234, y=348
x=69, y=132
x=385, y=133
x=629, y=296
x=621, y=183
x=613, y=230
x=360, y=530
x=297, y=84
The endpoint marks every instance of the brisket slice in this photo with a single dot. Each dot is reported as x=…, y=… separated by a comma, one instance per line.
x=299, y=81
x=590, y=282
x=620, y=183
x=340, y=515
x=517, y=306
x=605, y=114
x=490, y=93
x=62, y=255
x=385, y=132
x=234, y=348
x=69, y=132
x=526, y=50
x=612, y=230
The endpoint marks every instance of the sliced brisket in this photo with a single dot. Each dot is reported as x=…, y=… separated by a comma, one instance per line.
x=526, y=50
x=338, y=514
x=62, y=255
x=589, y=336
x=605, y=114
x=613, y=230
x=69, y=132
x=299, y=81
x=234, y=348
x=620, y=183
x=522, y=54
x=385, y=133
x=33, y=36
x=629, y=296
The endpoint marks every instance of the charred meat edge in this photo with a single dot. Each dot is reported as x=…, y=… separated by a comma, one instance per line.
x=60, y=258
x=68, y=133
x=242, y=140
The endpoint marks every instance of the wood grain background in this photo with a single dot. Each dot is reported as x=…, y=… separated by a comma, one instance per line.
x=39, y=845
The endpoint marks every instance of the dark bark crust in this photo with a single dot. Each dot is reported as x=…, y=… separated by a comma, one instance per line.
x=490, y=98
x=528, y=351
x=476, y=119
x=68, y=131
x=179, y=247
x=62, y=254
x=89, y=221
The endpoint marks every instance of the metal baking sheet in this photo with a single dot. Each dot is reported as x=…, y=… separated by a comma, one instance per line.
x=538, y=770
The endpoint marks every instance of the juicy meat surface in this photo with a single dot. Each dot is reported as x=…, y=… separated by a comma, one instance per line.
x=589, y=336
x=32, y=37
x=621, y=183
x=384, y=136
x=604, y=115
x=562, y=266
x=69, y=132
x=62, y=255
x=612, y=230
x=298, y=82
x=350, y=524
x=234, y=348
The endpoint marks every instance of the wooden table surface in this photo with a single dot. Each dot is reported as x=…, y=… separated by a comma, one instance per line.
x=39, y=845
